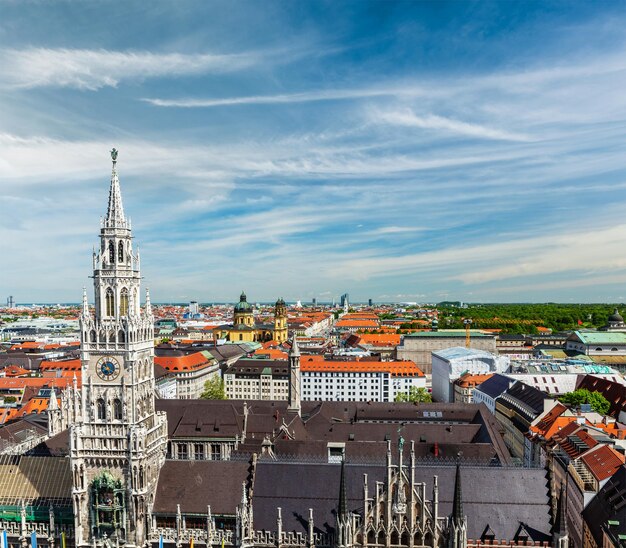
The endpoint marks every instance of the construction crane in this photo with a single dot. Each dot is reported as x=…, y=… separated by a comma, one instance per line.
x=467, y=322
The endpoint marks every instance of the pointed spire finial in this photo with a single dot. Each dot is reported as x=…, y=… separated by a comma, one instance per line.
x=342, y=511
x=85, y=302
x=53, y=404
x=244, y=495
x=295, y=351
x=560, y=522
x=457, y=505
x=148, y=303
x=115, y=211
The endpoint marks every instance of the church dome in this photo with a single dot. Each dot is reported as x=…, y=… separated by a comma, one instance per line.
x=616, y=317
x=243, y=305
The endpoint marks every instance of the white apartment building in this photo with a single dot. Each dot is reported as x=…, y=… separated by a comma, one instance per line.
x=257, y=379
x=358, y=380
x=254, y=379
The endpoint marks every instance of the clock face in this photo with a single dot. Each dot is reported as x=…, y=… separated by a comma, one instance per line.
x=107, y=368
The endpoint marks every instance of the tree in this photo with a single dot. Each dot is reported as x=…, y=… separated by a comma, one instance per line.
x=415, y=395
x=597, y=401
x=214, y=389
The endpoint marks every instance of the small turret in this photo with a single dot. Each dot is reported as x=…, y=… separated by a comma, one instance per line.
x=54, y=414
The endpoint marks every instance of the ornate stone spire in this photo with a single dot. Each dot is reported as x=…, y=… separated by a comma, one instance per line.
x=115, y=212
x=458, y=523
x=295, y=351
x=53, y=404
x=457, y=505
x=344, y=530
x=342, y=510
x=560, y=536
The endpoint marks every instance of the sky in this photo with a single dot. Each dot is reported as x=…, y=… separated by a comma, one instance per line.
x=398, y=151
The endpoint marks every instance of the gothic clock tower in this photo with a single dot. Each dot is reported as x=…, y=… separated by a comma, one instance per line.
x=118, y=446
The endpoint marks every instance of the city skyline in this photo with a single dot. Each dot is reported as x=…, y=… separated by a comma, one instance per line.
x=398, y=151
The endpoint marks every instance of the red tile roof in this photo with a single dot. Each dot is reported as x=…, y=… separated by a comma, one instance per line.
x=190, y=362
x=603, y=461
x=397, y=369
x=15, y=371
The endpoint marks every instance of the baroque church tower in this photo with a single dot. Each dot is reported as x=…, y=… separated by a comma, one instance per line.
x=118, y=443
x=280, y=321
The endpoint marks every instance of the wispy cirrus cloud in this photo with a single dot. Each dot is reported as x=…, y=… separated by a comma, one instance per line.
x=504, y=260
x=408, y=118
x=286, y=98
x=92, y=69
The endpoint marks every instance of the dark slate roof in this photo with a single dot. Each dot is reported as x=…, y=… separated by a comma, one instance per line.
x=254, y=367
x=197, y=484
x=56, y=446
x=524, y=398
x=507, y=337
x=201, y=418
x=485, y=502
x=19, y=430
x=494, y=385
x=454, y=427
x=608, y=504
x=227, y=352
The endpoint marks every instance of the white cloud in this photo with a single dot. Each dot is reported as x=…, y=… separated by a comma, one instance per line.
x=503, y=260
x=94, y=69
x=306, y=97
x=406, y=117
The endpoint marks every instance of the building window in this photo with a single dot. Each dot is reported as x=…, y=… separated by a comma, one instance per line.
x=216, y=452
x=110, y=303
x=182, y=451
x=124, y=302
x=120, y=252
x=117, y=409
x=111, y=252
x=101, y=410
x=198, y=451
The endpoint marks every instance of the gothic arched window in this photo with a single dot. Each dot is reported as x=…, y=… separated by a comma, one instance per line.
x=124, y=302
x=110, y=303
x=120, y=252
x=117, y=409
x=111, y=252
x=101, y=409
x=121, y=337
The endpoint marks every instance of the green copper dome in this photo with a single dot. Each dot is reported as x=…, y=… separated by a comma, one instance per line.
x=243, y=305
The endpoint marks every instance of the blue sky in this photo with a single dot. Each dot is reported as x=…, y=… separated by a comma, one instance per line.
x=400, y=151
